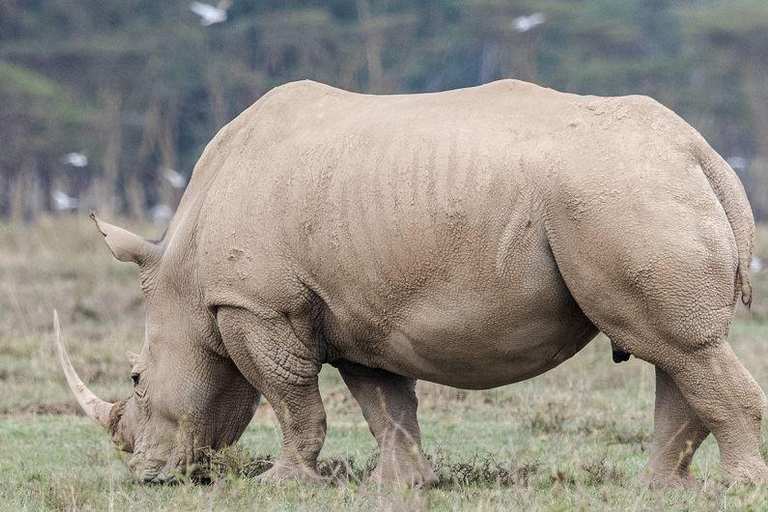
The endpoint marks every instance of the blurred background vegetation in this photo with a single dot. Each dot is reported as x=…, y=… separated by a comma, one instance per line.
x=108, y=104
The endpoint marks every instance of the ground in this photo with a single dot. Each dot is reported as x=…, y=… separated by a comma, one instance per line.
x=576, y=437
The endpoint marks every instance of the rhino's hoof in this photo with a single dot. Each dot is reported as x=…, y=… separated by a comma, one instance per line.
x=408, y=475
x=671, y=482
x=754, y=473
x=282, y=473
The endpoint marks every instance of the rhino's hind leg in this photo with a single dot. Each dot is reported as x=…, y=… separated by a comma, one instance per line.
x=678, y=433
x=669, y=274
x=389, y=404
x=730, y=403
x=269, y=354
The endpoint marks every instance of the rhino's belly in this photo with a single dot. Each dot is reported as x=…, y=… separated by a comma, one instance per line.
x=494, y=312
x=478, y=345
x=473, y=361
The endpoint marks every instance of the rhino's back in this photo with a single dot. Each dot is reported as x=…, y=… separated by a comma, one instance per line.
x=311, y=145
x=293, y=134
x=296, y=128
x=310, y=113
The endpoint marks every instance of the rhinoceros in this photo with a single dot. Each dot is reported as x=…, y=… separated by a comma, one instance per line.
x=473, y=238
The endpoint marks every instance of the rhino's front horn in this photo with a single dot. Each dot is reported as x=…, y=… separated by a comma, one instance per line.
x=93, y=406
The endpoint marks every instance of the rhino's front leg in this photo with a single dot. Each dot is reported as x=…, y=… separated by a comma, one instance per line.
x=389, y=404
x=267, y=351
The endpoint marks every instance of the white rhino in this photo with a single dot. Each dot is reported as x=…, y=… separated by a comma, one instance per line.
x=473, y=238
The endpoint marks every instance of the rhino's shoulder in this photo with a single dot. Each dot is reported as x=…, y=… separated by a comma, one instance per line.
x=295, y=95
x=303, y=87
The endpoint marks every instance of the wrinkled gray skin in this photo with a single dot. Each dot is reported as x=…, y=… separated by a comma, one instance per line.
x=473, y=238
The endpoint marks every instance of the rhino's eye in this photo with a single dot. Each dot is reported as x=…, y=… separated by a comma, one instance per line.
x=135, y=379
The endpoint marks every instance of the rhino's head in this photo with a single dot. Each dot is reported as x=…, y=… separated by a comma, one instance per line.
x=188, y=396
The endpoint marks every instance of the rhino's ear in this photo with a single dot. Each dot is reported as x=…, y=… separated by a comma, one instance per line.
x=126, y=246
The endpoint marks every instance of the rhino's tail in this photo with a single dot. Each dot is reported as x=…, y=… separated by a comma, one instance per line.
x=730, y=192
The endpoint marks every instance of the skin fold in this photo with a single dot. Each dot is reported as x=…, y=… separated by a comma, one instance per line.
x=472, y=238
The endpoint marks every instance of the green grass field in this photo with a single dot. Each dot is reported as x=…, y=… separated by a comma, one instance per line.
x=574, y=438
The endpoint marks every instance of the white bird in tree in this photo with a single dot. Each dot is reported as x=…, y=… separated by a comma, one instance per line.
x=75, y=159
x=61, y=201
x=210, y=14
x=175, y=178
x=161, y=213
x=739, y=163
x=526, y=23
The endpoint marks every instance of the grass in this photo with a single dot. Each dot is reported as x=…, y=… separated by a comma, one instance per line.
x=574, y=438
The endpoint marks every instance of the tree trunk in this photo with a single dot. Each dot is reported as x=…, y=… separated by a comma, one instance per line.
x=134, y=196
x=108, y=186
x=45, y=174
x=5, y=192
x=373, y=46
x=168, y=159
x=218, y=101
x=756, y=89
x=23, y=188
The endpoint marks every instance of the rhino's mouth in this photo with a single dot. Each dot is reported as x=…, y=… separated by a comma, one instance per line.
x=148, y=477
x=157, y=476
x=176, y=468
x=156, y=472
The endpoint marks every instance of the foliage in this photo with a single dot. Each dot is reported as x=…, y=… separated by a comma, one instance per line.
x=141, y=86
